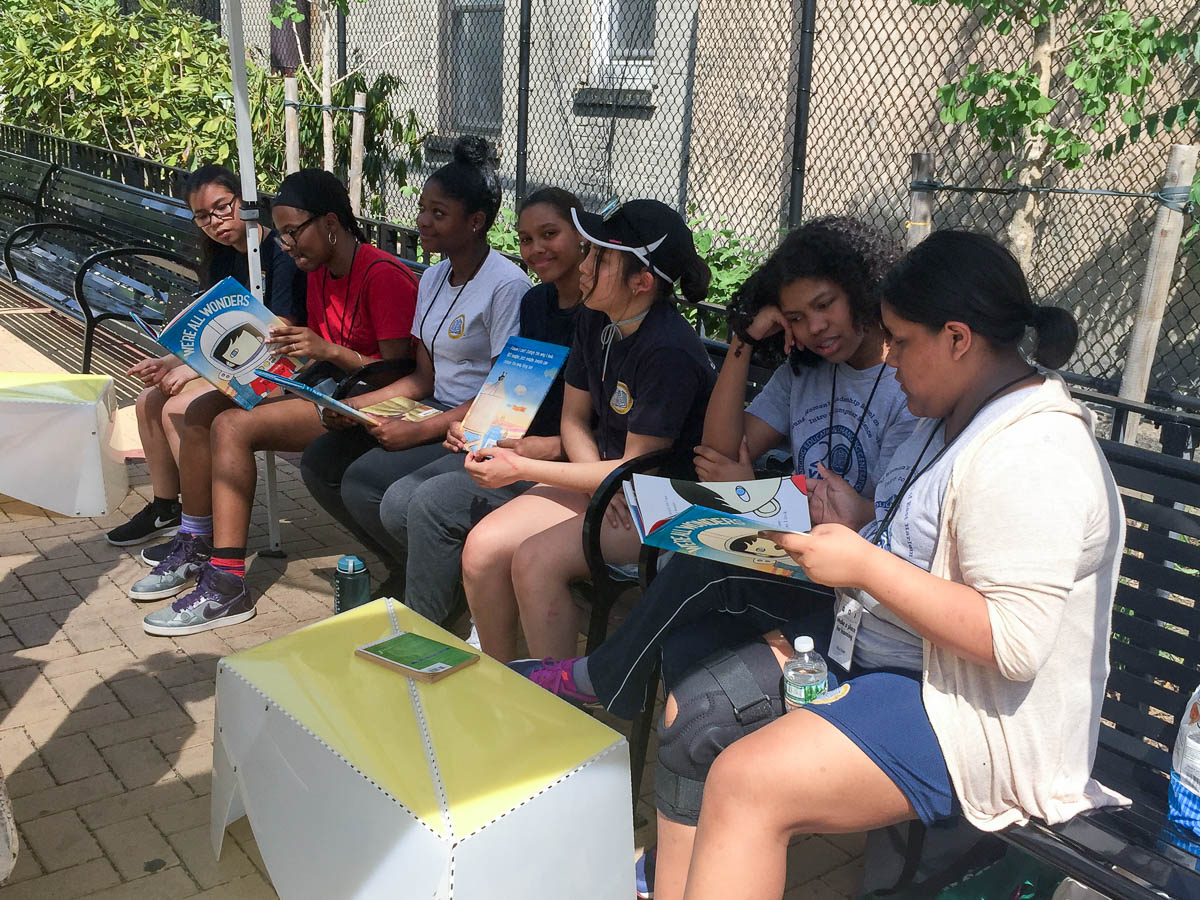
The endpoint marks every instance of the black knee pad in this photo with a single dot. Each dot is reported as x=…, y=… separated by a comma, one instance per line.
x=729, y=695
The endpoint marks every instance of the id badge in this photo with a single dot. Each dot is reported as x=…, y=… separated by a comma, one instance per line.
x=845, y=631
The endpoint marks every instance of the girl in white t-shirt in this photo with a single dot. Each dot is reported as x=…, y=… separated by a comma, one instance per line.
x=995, y=540
x=468, y=306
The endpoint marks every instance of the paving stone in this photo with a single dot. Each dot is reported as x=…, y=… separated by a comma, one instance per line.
x=29, y=781
x=35, y=630
x=85, y=571
x=17, y=751
x=198, y=699
x=194, y=766
x=66, y=796
x=846, y=878
x=106, y=663
x=77, y=881
x=192, y=813
x=47, y=585
x=135, y=847
x=141, y=726
x=34, y=607
x=163, y=884
x=811, y=857
x=60, y=840
x=144, y=694
x=13, y=655
x=137, y=763
x=72, y=757
x=195, y=850
x=78, y=721
x=20, y=683
x=248, y=887
x=92, y=635
x=189, y=673
x=12, y=544
x=81, y=690
x=74, y=526
x=101, y=550
x=138, y=802
x=54, y=564
x=171, y=742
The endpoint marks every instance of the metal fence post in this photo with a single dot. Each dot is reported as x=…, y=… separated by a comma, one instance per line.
x=803, y=97
x=920, y=201
x=1160, y=266
x=341, y=43
x=523, y=100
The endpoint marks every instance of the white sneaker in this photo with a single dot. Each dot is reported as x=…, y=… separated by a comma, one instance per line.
x=473, y=637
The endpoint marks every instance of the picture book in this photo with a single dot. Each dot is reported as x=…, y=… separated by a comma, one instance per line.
x=310, y=393
x=417, y=657
x=514, y=389
x=222, y=336
x=400, y=407
x=721, y=520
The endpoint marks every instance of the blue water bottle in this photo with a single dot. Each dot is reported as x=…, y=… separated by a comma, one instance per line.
x=351, y=584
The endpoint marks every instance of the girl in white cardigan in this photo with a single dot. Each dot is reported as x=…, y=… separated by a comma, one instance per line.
x=975, y=599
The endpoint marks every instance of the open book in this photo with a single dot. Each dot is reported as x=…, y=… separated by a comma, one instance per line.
x=514, y=389
x=721, y=520
x=222, y=336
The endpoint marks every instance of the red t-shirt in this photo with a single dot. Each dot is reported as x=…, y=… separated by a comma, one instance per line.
x=375, y=301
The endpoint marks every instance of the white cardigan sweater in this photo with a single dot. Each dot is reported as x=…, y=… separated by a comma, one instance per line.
x=1032, y=520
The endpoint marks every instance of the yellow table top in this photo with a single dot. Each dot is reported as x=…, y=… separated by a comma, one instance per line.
x=497, y=738
x=52, y=387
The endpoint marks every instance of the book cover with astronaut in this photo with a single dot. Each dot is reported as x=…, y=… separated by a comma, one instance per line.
x=721, y=520
x=222, y=336
x=511, y=394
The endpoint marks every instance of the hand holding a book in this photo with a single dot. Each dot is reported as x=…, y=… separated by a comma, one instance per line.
x=534, y=447
x=495, y=467
x=617, y=515
x=832, y=555
x=832, y=500
x=455, y=441
x=394, y=433
x=296, y=340
x=712, y=465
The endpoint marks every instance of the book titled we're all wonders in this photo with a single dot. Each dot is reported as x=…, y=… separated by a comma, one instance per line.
x=222, y=336
x=721, y=520
x=514, y=389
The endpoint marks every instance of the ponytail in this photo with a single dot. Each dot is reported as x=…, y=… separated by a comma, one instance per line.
x=695, y=280
x=1057, y=335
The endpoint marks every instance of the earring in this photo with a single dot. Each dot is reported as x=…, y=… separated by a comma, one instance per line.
x=332, y=239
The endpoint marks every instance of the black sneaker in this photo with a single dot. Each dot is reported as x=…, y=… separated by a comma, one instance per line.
x=146, y=525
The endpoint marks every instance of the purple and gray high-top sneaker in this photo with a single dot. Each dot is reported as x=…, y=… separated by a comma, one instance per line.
x=186, y=553
x=219, y=599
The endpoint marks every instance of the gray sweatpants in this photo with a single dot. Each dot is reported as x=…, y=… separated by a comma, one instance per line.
x=427, y=514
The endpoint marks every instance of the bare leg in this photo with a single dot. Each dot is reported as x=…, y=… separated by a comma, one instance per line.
x=195, y=457
x=160, y=460
x=764, y=788
x=284, y=423
x=543, y=568
x=487, y=561
x=172, y=419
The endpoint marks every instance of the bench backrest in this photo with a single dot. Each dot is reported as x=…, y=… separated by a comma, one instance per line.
x=22, y=178
x=127, y=214
x=1155, y=647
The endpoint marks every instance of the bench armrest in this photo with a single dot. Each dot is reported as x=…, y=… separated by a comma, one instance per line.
x=606, y=588
x=117, y=253
x=33, y=229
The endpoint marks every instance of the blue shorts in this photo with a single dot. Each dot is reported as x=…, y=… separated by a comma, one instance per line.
x=883, y=714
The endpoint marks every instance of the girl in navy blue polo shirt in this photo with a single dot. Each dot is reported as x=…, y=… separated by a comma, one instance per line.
x=637, y=380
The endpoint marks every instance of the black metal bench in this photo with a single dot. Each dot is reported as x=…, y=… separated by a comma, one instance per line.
x=22, y=182
x=103, y=250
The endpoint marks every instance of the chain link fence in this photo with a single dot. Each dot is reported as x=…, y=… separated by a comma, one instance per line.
x=694, y=102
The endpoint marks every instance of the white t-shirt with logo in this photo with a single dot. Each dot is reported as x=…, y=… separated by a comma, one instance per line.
x=464, y=327
x=884, y=641
x=798, y=406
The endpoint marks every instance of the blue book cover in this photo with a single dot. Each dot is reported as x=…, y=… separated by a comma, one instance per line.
x=719, y=536
x=514, y=389
x=222, y=336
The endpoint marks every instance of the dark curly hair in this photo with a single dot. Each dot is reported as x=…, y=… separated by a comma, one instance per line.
x=852, y=254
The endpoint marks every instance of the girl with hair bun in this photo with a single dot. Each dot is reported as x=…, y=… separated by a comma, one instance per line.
x=976, y=606
x=637, y=380
x=214, y=195
x=468, y=306
x=360, y=303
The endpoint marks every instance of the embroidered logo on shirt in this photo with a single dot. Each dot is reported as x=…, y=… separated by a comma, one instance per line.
x=830, y=697
x=457, y=328
x=621, y=401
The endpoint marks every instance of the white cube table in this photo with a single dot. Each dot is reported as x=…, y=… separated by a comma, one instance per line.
x=359, y=782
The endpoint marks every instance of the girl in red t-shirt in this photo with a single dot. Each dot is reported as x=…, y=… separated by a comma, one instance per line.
x=360, y=308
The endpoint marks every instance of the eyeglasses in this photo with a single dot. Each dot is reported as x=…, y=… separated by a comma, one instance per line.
x=221, y=212
x=287, y=239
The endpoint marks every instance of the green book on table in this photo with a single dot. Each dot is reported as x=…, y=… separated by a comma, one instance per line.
x=417, y=657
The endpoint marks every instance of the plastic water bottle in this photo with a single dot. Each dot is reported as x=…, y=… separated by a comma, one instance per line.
x=805, y=675
x=351, y=584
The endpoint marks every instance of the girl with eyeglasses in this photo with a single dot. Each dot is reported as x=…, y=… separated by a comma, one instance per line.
x=214, y=195
x=360, y=303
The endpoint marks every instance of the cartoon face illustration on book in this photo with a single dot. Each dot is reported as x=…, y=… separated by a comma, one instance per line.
x=736, y=497
x=236, y=345
x=736, y=539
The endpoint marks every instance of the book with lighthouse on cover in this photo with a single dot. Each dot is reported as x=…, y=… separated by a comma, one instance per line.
x=511, y=394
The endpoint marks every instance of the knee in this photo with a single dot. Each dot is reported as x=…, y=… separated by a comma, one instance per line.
x=149, y=404
x=533, y=562
x=228, y=431
x=699, y=723
x=395, y=509
x=485, y=550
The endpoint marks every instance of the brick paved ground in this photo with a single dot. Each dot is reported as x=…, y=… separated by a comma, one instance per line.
x=106, y=732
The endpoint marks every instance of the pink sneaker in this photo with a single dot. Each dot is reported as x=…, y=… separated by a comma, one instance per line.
x=555, y=676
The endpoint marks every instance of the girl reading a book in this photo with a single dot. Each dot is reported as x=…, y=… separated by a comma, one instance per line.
x=214, y=195
x=468, y=306
x=427, y=514
x=981, y=594
x=360, y=303
x=638, y=379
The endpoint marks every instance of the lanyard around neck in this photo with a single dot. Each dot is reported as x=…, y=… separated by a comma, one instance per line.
x=453, y=302
x=862, y=417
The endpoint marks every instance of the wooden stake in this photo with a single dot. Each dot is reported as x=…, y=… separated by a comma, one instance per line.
x=358, y=126
x=1160, y=266
x=920, y=202
x=291, y=124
